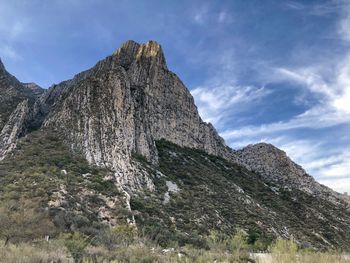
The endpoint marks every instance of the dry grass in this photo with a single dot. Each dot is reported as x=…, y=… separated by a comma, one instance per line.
x=55, y=252
x=33, y=253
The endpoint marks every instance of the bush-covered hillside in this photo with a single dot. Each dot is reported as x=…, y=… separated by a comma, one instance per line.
x=46, y=189
x=213, y=194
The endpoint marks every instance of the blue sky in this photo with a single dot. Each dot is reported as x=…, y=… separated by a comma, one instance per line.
x=271, y=71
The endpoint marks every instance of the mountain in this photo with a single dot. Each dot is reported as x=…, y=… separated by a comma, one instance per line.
x=123, y=142
x=275, y=166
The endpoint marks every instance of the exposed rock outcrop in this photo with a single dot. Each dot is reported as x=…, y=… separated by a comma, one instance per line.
x=275, y=166
x=13, y=128
x=123, y=105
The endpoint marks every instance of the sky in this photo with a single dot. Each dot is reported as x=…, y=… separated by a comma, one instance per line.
x=259, y=70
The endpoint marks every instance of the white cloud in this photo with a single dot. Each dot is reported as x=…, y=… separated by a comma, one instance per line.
x=216, y=102
x=329, y=83
x=316, y=118
x=330, y=166
x=204, y=15
x=294, y=5
x=317, y=9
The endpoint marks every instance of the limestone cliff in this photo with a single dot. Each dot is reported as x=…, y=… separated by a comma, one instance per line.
x=13, y=129
x=123, y=105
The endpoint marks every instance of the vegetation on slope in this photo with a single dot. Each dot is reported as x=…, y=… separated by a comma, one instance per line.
x=204, y=207
x=217, y=195
x=46, y=189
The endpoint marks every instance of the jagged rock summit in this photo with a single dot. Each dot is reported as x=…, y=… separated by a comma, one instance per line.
x=132, y=51
x=275, y=166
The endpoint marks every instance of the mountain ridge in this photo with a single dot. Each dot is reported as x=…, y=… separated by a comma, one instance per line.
x=116, y=113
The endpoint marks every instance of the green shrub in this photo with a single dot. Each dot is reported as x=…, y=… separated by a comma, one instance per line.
x=76, y=244
x=284, y=251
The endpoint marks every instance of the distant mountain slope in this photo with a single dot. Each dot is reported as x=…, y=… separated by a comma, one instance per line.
x=276, y=167
x=197, y=192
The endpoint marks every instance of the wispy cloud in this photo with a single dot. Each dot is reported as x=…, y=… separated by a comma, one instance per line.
x=327, y=81
x=205, y=15
x=224, y=17
x=216, y=102
x=317, y=9
x=330, y=165
x=294, y=5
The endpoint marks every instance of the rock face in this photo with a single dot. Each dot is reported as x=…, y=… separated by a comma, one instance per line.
x=12, y=93
x=13, y=128
x=276, y=167
x=123, y=105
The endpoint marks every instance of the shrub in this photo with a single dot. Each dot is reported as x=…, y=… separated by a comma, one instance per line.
x=238, y=246
x=284, y=251
x=76, y=244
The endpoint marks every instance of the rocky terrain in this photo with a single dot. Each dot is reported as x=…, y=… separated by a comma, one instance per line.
x=131, y=115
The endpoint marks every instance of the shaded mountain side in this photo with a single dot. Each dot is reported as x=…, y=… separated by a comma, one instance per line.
x=197, y=192
x=12, y=93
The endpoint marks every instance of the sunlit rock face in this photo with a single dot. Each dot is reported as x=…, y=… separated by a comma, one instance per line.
x=121, y=106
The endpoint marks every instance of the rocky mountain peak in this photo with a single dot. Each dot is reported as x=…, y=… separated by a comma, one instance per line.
x=276, y=167
x=126, y=54
x=268, y=150
x=12, y=93
x=150, y=52
x=128, y=102
x=268, y=160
